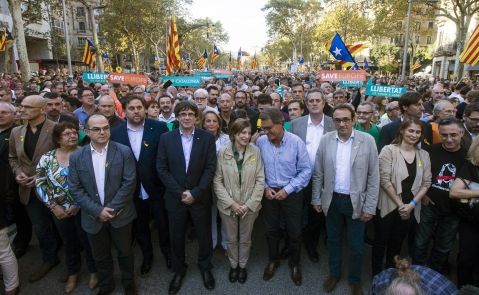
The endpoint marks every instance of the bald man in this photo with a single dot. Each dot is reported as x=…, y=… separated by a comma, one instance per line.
x=106, y=107
x=27, y=144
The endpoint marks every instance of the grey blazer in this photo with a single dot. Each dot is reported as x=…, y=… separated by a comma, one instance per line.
x=364, y=188
x=120, y=184
x=299, y=126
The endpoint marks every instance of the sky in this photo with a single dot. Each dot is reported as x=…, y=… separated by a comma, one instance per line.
x=243, y=20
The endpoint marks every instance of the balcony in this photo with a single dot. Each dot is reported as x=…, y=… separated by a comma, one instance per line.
x=446, y=50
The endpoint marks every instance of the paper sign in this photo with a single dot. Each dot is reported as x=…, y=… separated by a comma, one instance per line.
x=382, y=90
x=190, y=81
x=132, y=79
x=203, y=74
x=89, y=77
x=335, y=76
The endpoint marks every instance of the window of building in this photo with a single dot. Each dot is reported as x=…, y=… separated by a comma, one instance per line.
x=430, y=25
x=417, y=26
x=417, y=39
x=81, y=26
x=399, y=25
x=80, y=11
x=429, y=40
x=81, y=43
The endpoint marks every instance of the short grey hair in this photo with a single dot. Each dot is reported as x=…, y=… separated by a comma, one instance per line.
x=10, y=106
x=440, y=105
x=370, y=104
x=200, y=91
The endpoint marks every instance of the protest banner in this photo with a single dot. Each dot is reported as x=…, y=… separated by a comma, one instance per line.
x=336, y=76
x=89, y=77
x=188, y=81
x=383, y=90
x=132, y=79
x=350, y=84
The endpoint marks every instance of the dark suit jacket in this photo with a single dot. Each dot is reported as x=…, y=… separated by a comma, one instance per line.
x=146, y=164
x=389, y=131
x=120, y=184
x=20, y=162
x=172, y=171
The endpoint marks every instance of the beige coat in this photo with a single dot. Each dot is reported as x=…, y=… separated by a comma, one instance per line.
x=227, y=184
x=393, y=171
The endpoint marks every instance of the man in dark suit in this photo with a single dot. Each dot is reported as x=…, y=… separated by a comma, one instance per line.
x=471, y=124
x=27, y=144
x=103, y=180
x=142, y=136
x=186, y=164
x=411, y=105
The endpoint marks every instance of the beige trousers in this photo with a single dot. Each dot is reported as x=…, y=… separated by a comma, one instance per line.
x=238, y=232
x=8, y=262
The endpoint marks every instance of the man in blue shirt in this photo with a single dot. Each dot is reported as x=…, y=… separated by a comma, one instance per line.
x=287, y=171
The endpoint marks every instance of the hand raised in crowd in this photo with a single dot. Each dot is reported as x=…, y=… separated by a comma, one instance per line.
x=365, y=217
x=72, y=210
x=187, y=198
x=59, y=212
x=107, y=214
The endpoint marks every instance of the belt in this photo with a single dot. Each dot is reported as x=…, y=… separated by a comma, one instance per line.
x=335, y=194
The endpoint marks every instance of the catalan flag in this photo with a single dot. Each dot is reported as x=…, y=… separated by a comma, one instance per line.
x=200, y=63
x=417, y=64
x=254, y=62
x=339, y=50
x=89, y=54
x=214, y=54
x=3, y=41
x=172, y=48
x=354, y=50
x=470, y=55
x=238, y=59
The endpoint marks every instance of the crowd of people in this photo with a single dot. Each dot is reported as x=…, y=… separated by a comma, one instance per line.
x=87, y=166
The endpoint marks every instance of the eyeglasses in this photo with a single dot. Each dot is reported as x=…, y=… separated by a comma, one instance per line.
x=200, y=98
x=363, y=113
x=99, y=129
x=186, y=115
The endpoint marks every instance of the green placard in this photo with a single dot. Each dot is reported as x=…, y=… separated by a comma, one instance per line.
x=382, y=90
x=189, y=81
x=89, y=77
x=203, y=74
x=353, y=84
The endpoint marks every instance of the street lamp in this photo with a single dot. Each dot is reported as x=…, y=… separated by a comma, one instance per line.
x=67, y=40
x=406, y=41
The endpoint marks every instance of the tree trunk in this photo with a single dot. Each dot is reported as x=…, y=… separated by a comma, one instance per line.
x=19, y=33
x=458, y=66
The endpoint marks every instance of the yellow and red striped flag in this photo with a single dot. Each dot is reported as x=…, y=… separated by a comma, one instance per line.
x=470, y=55
x=200, y=63
x=254, y=62
x=353, y=49
x=172, y=48
x=3, y=41
x=89, y=54
x=214, y=54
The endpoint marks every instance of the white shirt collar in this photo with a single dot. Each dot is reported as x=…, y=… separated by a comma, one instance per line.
x=93, y=150
x=181, y=131
x=350, y=137
x=311, y=122
x=128, y=126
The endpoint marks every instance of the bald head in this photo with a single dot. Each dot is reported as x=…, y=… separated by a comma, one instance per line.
x=32, y=109
x=106, y=106
x=438, y=92
x=38, y=100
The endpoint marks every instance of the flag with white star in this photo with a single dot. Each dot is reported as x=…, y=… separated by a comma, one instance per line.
x=339, y=50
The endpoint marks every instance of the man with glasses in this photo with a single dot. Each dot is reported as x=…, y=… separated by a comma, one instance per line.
x=442, y=109
x=201, y=101
x=346, y=188
x=103, y=180
x=365, y=113
x=87, y=99
x=27, y=144
x=287, y=172
x=392, y=113
x=186, y=165
x=437, y=218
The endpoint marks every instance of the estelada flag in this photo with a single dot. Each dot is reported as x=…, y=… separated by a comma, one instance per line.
x=172, y=48
x=89, y=54
x=353, y=49
x=214, y=55
x=470, y=55
x=202, y=60
x=3, y=41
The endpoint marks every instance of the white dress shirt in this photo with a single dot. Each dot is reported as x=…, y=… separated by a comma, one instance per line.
x=135, y=136
x=343, y=166
x=313, y=138
x=172, y=118
x=187, y=143
x=99, y=167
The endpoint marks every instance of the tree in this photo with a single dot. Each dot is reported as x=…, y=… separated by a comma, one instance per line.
x=293, y=20
x=19, y=35
x=461, y=12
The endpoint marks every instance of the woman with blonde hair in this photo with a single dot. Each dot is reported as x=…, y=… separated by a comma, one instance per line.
x=239, y=186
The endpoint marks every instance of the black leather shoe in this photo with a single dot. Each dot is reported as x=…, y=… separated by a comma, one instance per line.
x=175, y=284
x=313, y=255
x=208, y=280
x=270, y=269
x=242, y=275
x=296, y=276
x=146, y=266
x=233, y=276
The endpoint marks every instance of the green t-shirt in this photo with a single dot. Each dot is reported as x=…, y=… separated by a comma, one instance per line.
x=373, y=131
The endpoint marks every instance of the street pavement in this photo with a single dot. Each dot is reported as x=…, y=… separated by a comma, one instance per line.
x=157, y=281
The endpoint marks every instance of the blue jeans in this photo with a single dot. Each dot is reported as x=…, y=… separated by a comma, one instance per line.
x=44, y=228
x=74, y=238
x=341, y=210
x=443, y=226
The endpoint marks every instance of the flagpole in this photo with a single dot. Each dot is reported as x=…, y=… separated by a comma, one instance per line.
x=67, y=40
x=406, y=41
